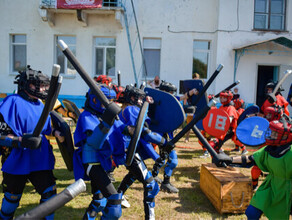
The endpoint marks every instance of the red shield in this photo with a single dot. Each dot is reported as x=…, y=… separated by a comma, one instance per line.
x=216, y=123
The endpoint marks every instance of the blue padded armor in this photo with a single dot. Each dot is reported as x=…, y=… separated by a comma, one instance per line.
x=49, y=193
x=10, y=202
x=94, y=142
x=152, y=137
x=171, y=163
x=113, y=209
x=96, y=206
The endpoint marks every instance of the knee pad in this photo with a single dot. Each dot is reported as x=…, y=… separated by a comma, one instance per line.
x=99, y=202
x=152, y=189
x=171, y=163
x=253, y=213
x=113, y=209
x=10, y=202
x=46, y=195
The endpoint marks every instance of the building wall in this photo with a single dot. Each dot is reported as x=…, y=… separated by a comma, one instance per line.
x=227, y=24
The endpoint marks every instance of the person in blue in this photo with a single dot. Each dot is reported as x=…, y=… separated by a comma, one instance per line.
x=132, y=101
x=25, y=157
x=93, y=158
x=171, y=158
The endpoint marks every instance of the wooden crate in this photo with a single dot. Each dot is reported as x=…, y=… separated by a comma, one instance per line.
x=228, y=190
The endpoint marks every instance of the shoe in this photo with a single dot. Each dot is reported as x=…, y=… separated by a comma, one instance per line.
x=235, y=150
x=168, y=187
x=244, y=152
x=111, y=176
x=125, y=203
x=157, y=179
x=205, y=154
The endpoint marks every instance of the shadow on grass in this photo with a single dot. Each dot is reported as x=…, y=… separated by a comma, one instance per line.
x=191, y=173
x=64, y=212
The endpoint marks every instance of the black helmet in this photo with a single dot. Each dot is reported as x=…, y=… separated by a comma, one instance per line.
x=167, y=87
x=272, y=85
x=133, y=94
x=36, y=78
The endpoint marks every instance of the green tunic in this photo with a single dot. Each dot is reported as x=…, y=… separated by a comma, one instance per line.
x=274, y=196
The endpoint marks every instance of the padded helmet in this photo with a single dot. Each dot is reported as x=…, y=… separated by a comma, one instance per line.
x=120, y=91
x=279, y=133
x=227, y=94
x=238, y=103
x=25, y=78
x=274, y=112
x=92, y=102
x=103, y=79
x=133, y=95
x=167, y=87
x=270, y=85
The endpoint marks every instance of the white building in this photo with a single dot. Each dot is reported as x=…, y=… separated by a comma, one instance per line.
x=251, y=38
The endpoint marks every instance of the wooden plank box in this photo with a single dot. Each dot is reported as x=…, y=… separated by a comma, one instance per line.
x=227, y=189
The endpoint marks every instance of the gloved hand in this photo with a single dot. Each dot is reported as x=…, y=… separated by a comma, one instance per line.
x=157, y=166
x=222, y=160
x=31, y=142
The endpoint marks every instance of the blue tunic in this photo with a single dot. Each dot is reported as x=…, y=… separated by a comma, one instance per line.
x=113, y=146
x=22, y=117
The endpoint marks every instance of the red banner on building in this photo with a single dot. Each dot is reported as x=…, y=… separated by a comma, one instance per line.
x=79, y=4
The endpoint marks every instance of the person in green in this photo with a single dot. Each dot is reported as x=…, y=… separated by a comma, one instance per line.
x=273, y=198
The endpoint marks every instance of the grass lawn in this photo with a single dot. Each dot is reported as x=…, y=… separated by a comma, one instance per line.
x=189, y=203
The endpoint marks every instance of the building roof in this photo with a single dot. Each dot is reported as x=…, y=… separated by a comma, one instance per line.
x=280, y=40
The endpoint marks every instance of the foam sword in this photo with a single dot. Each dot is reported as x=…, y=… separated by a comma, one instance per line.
x=55, y=83
x=56, y=202
x=272, y=97
x=112, y=109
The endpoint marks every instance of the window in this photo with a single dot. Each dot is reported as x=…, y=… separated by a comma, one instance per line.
x=110, y=3
x=66, y=67
x=269, y=14
x=105, y=56
x=18, y=53
x=201, y=58
x=152, y=49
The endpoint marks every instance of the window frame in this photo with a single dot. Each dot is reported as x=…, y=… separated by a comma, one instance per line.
x=151, y=48
x=65, y=74
x=269, y=14
x=11, y=57
x=207, y=51
x=104, y=54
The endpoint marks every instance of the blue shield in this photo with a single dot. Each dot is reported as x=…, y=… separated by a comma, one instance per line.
x=251, y=131
x=166, y=112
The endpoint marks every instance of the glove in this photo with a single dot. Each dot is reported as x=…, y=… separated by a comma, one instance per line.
x=223, y=160
x=157, y=166
x=31, y=142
